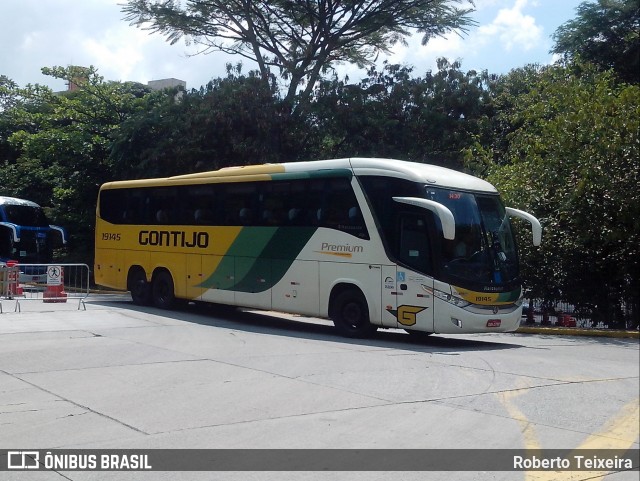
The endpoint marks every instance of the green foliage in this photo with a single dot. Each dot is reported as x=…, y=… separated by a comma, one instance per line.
x=234, y=120
x=605, y=33
x=60, y=146
x=431, y=119
x=572, y=159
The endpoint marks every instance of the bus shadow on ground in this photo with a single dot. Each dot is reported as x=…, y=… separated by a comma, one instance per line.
x=301, y=327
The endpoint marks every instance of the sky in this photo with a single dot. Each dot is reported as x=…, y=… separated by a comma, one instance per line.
x=47, y=33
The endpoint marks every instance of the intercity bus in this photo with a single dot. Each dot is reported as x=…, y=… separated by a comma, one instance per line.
x=368, y=243
x=27, y=237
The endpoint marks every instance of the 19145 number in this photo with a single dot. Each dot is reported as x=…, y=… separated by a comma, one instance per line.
x=110, y=236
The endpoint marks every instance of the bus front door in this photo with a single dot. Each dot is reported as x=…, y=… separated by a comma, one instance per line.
x=414, y=287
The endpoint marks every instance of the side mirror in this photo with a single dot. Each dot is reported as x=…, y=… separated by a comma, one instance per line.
x=536, y=228
x=443, y=213
x=63, y=235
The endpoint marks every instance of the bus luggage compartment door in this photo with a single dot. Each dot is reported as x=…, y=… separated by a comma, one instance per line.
x=297, y=288
x=253, y=282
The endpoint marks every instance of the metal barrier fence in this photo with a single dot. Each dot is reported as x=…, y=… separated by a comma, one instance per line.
x=49, y=283
x=567, y=315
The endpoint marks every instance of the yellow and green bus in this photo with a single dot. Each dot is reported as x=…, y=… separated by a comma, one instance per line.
x=368, y=243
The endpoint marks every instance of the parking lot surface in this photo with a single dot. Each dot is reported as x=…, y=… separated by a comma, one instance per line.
x=117, y=376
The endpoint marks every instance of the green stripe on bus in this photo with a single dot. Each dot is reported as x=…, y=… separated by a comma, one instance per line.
x=248, y=241
x=277, y=248
x=276, y=259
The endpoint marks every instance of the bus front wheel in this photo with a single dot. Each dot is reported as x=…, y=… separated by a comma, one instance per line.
x=139, y=287
x=350, y=314
x=162, y=293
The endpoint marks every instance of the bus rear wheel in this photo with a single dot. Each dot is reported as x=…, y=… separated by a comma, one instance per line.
x=162, y=293
x=139, y=287
x=350, y=314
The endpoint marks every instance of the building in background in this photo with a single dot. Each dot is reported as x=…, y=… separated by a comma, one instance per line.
x=167, y=83
x=81, y=75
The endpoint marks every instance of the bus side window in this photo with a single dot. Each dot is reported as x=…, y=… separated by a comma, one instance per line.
x=274, y=198
x=203, y=216
x=162, y=216
x=198, y=204
x=128, y=217
x=245, y=216
x=240, y=202
x=113, y=205
x=298, y=212
x=413, y=250
x=316, y=196
x=341, y=209
x=135, y=208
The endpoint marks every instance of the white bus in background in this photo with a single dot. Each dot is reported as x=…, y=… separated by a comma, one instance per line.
x=369, y=243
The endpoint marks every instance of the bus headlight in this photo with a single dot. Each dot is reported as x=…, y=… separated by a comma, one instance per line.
x=456, y=301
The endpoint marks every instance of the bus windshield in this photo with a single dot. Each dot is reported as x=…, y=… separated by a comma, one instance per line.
x=25, y=215
x=484, y=250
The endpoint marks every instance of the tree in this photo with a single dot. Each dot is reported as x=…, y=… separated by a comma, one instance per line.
x=8, y=96
x=299, y=39
x=9, y=100
x=60, y=146
x=573, y=160
x=234, y=120
x=391, y=113
x=605, y=33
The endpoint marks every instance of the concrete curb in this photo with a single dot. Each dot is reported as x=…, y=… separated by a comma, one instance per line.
x=576, y=331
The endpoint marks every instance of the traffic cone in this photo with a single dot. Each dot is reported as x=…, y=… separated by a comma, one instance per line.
x=54, y=291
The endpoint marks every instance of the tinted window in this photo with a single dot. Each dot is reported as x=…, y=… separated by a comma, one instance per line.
x=414, y=247
x=25, y=215
x=325, y=202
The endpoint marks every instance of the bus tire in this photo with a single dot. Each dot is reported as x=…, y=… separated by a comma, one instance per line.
x=350, y=314
x=139, y=287
x=162, y=292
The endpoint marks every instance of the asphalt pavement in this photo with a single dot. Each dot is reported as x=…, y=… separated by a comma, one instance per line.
x=116, y=376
